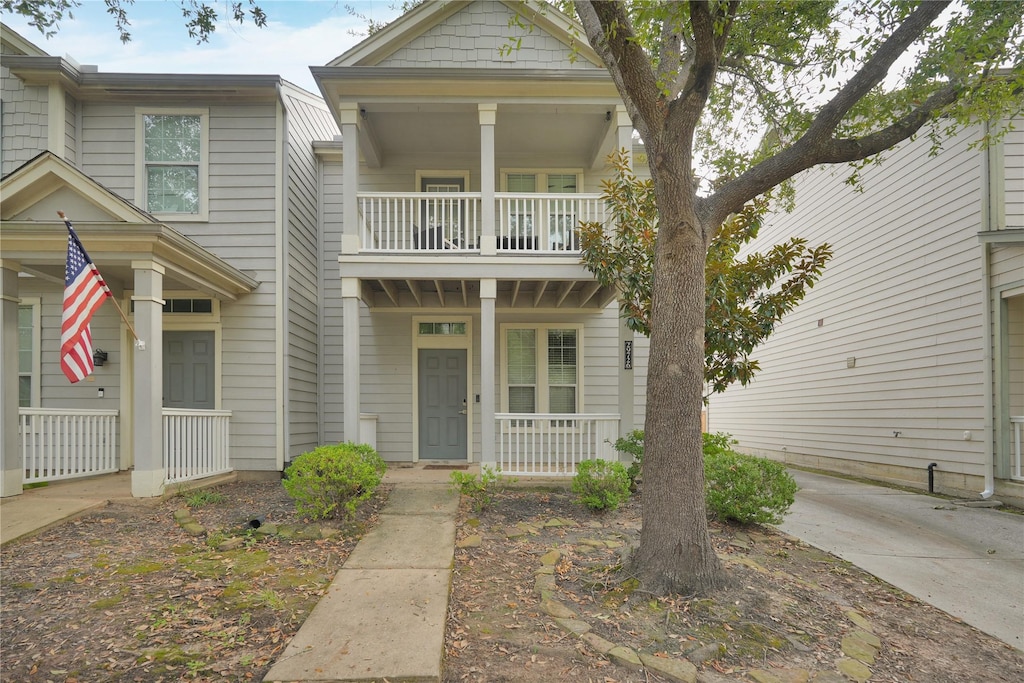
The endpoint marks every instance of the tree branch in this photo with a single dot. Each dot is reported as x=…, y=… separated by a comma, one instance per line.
x=610, y=32
x=875, y=69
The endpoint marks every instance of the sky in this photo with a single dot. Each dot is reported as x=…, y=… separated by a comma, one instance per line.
x=299, y=34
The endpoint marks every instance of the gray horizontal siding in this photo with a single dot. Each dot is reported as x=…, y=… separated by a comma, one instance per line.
x=902, y=296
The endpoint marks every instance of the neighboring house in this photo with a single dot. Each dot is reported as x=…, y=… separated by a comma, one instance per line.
x=910, y=350
x=413, y=282
x=196, y=196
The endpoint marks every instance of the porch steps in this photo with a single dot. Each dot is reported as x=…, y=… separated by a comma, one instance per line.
x=383, y=616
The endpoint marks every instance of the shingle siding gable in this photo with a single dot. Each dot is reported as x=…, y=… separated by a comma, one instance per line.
x=479, y=37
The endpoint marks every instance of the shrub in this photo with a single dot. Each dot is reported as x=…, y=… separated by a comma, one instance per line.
x=745, y=488
x=333, y=480
x=479, y=489
x=601, y=484
x=633, y=444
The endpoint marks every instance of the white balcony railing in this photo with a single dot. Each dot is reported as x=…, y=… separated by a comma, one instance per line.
x=551, y=444
x=451, y=221
x=410, y=221
x=1017, y=464
x=195, y=443
x=545, y=223
x=61, y=443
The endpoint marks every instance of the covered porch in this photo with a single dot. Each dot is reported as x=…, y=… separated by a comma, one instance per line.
x=55, y=430
x=538, y=380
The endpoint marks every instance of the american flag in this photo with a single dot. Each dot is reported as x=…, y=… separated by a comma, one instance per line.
x=84, y=292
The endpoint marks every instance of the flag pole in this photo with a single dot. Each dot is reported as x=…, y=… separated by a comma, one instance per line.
x=138, y=342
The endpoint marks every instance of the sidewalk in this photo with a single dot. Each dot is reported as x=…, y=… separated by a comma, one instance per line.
x=383, y=616
x=968, y=562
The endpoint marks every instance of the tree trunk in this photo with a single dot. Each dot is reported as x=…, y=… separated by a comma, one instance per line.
x=675, y=554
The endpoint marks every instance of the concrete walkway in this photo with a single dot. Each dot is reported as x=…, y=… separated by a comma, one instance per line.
x=966, y=561
x=383, y=616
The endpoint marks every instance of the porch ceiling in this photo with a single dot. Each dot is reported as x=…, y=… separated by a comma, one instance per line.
x=523, y=135
x=41, y=251
x=445, y=293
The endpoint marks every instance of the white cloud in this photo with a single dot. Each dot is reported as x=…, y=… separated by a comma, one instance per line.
x=298, y=35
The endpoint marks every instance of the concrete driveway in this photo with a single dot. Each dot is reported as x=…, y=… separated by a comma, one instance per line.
x=967, y=561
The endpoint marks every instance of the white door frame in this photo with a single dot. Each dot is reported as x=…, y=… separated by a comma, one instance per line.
x=442, y=341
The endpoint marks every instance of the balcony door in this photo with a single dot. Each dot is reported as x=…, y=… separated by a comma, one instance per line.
x=442, y=221
x=189, y=370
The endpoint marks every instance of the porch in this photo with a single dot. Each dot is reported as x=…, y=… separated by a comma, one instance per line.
x=57, y=444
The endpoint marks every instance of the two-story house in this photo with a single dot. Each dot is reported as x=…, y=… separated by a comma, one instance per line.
x=397, y=265
x=196, y=196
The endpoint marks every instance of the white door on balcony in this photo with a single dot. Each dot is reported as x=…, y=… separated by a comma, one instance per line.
x=189, y=370
x=442, y=404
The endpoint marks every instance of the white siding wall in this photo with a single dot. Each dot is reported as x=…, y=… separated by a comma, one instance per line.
x=332, y=379
x=902, y=296
x=473, y=38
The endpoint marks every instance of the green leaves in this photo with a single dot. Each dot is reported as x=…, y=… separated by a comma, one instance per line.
x=745, y=297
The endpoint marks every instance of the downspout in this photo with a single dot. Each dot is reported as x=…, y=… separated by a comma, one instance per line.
x=986, y=318
x=283, y=445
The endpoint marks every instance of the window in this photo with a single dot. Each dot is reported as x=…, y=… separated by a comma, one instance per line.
x=172, y=162
x=442, y=328
x=541, y=372
x=28, y=353
x=552, y=219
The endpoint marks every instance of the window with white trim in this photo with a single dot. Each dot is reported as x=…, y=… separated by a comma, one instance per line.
x=28, y=353
x=172, y=162
x=541, y=370
x=554, y=219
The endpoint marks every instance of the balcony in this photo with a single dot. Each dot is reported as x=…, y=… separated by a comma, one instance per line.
x=452, y=222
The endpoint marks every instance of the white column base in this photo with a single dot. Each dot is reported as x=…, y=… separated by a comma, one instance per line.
x=11, y=482
x=148, y=483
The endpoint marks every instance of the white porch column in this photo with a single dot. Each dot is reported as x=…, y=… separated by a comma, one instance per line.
x=488, y=292
x=351, y=356
x=348, y=114
x=488, y=117
x=624, y=132
x=148, y=381
x=12, y=469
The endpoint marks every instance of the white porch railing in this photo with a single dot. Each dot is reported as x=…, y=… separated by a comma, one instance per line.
x=545, y=223
x=1017, y=465
x=417, y=221
x=551, y=444
x=195, y=443
x=62, y=444
x=451, y=221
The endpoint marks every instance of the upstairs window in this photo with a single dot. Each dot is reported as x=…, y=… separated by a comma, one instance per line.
x=172, y=167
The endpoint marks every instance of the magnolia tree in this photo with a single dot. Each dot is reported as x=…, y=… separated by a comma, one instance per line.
x=745, y=297
x=758, y=92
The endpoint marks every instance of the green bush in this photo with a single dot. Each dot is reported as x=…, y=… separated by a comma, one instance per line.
x=745, y=488
x=330, y=481
x=632, y=444
x=601, y=484
x=479, y=489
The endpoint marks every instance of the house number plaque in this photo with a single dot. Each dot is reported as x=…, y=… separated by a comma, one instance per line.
x=627, y=355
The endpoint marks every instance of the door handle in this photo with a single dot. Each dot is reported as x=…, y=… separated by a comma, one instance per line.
x=462, y=412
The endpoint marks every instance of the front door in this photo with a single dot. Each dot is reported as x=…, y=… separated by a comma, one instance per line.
x=442, y=404
x=189, y=370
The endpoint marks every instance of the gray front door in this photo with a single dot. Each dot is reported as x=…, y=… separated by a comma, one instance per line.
x=442, y=399
x=189, y=370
